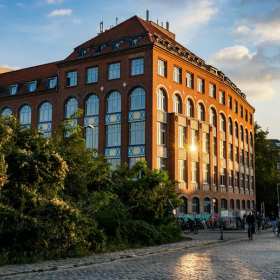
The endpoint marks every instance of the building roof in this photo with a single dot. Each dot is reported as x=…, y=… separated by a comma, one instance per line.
x=274, y=143
x=21, y=77
x=4, y=70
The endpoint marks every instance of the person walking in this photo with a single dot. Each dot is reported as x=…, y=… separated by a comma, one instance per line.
x=250, y=220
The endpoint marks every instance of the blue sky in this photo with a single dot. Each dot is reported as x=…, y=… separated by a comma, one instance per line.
x=239, y=37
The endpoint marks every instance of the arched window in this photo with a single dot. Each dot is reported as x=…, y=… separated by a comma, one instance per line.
x=200, y=112
x=137, y=99
x=246, y=136
x=91, y=121
x=71, y=107
x=248, y=204
x=222, y=123
x=195, y=205
x=189, y=108
x=238, y=204
x=230, y=126
x=243, y=204
x=241, y=133
x=184, y=207
x=6, y=111
x=223, y=204
x=213, y=117
x=236, y=130
x=92, y=105
x=215, y=205
x=45, y=112
x=45, y=119
x=25, y=115
x=207, y=205
x=161, y=100
x=231, y=204
x=251, y=139
x=177, y=104
x=114, y=102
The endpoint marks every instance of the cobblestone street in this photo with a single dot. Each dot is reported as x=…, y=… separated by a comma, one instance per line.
x=238, y=259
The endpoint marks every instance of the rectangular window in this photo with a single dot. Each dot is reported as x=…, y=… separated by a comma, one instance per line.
x=133, y=160
x=251, y=118
x=52, y=82
x=114, y=71
x=236, y=154
x=212, y=90
x=136, y=133
x=222, y=149
x=206, y=173
x=215, y=176
x=182, y=170
x=177, y=75
x=230, y=152
x=241, y=111
x=230, y=102
x=162, y=68
x=113, y=135
x=252, y=183
x=241, y=157
x=215, y=146
x=205, y=142
x=161, y=163
x=92, y=75
x=31, y=86
x=181, y=136
x=247, y=159
x=194, y=137
x=222, y=97
x=161, y=133
x=235, y=107
x=92, y=137
x=114, y=163
x=137, y=66
x=251, y=160
x=236, y=179
x=71, y=79
x=189, y=80
x=194, y=172
x=242, y=180
x=223, y=177
x=13, y=89
x=246, y=115
x=200, y=85
x=230, y=178
x=247, y=182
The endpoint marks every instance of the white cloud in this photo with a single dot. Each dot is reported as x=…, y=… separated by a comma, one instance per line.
x=10, y=67
x=62, y=12
x=19, y=4
x=53, y=1
x=2, y=6
x=251, y=72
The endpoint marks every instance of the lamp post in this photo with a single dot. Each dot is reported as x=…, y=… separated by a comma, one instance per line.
x=278, y=200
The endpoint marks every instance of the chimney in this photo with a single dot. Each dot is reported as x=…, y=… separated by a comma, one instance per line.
x=101, y=27
x=147, y=15
x=167, y=26
x=117, y=21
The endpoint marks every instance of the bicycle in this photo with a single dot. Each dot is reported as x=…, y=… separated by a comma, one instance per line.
x=250, y=232
x=187, y=228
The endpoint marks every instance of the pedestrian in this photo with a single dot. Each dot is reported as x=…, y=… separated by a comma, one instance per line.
x=250, y=220
x=273, y=220
x=244, y=221
x=259, y=221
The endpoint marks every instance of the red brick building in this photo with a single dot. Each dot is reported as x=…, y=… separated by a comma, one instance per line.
x=146, y=96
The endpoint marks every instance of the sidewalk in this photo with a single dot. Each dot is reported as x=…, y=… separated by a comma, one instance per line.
x=101, y=258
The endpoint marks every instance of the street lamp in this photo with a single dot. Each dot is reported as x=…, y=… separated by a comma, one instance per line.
x=193, y=148
x=278, y=200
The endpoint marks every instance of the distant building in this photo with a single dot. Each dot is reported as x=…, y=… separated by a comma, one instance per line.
x=145, y=96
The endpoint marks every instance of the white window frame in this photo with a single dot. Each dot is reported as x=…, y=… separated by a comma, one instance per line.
x=52, y=82
x=71, y=78
x=45, y=112
x=31, y=86
x=7, y=111
x=137, y=99
x=194, y=172
x=177, y=74
x=161, y=100
x=114, y=102
x=212, y=90
x=162, y=68
x=13, y=89
x=137, y=133
x=222, y=97
x=181, y=170
x=176, y=104
x=205, y=168
x=71, y=107
x=189, y=108
x=113, y=135
x=137, y=66
x=161, y=133
x=114, y=71
x=92, y=105
x=189, y=80
x=91, y=135
x=92, y=75
x=181, y=136
x=161, y=163
x=200, y=85
x=25, y=115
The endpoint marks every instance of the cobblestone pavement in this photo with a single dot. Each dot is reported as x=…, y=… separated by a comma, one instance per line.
x=238, y=259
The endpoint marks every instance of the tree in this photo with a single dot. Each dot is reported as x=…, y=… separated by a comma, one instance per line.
x=266, y=177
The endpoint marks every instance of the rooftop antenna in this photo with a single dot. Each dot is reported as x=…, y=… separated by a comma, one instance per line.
x=101, y=27
x=117, y=20
x=147, y=15
x=167, y=26
x=157, y=21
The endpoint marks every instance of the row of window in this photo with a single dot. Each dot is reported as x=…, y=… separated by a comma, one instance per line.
x=32, y=86
x=209, y=205
x=177, y=77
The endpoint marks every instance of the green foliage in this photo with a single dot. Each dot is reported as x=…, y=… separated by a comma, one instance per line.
x=265, y=161
x=59, y=199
